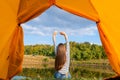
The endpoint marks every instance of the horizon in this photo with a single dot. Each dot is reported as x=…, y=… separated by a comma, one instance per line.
x=53, y=44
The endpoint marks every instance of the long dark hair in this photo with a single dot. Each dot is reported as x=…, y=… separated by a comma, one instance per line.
x=60, y=56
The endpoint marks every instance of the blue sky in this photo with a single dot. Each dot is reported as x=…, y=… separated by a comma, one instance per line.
x=39, y=30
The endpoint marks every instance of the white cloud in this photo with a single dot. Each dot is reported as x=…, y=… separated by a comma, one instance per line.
x=27, y=27
x=37, y=19
x=90, y=30
x=38, y=33
x=47, y=31
x=32, y=30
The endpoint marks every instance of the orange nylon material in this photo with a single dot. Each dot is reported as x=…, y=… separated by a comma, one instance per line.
x=79, y=7
x=109, y=27
x=7, y=26
x=109, y=49
x=16, y=52
x=14, y=5
x=12, y=48
x=29, y=9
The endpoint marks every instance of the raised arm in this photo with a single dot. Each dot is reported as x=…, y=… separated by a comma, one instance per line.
x=67, y=45
x=54, y=40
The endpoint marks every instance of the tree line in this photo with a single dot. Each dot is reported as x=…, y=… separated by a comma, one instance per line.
x=78, y=51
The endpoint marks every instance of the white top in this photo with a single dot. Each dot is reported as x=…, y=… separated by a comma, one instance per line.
x=65, y=68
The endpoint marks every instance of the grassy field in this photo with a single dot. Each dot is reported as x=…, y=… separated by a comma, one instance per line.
x=42, y=66
x=38, y=61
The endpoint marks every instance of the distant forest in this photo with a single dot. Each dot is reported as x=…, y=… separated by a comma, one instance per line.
x=78, y=51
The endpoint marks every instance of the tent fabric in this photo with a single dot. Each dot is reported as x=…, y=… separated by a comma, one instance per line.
x=81, y=8
x=21, y=11
x=114, y=60
x=16, y=52
x=12, y=48
x=7, y=26
x=28, y=9
x=109, y=30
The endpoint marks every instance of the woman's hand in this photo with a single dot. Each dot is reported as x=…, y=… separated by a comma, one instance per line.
x=55, y=33
x=65, y=35
x=62, y=33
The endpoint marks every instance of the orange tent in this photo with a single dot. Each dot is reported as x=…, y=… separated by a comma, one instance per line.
x=14, y=12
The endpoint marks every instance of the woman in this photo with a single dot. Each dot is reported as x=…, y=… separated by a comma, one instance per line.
x=62, y=58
